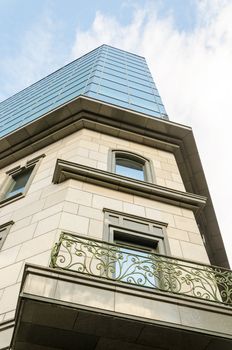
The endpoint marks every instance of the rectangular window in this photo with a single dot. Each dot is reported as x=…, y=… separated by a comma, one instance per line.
x=4, y=230
x=135, y=263
x=18, y=181
x=138, y=243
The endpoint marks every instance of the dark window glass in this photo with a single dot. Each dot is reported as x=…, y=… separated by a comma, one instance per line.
x=19, y=182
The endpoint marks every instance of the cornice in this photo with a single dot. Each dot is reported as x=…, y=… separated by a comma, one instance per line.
x=66, y=170
x=83, y=112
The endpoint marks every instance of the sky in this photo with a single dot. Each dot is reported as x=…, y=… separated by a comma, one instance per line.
x=187, y=45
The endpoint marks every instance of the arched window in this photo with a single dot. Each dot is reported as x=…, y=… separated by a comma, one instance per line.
x=131, y=165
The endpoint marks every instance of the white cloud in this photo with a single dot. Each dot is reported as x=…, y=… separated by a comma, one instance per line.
x=193, y=72
x=38, y=55
x=107, y=30
x=192, y=69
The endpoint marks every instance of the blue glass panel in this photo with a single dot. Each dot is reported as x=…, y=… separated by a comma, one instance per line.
x=141, y=94
x=114, y=78
x=113, y=85
x=115, y=72
x=158, y=99
x=126, y=266
x=115, y=68
x=130, y=168
x=143, y=103
x=93, y=87
x=145, y=110
x=125, y=78
x=108, y=99
x=143, y=79
x=161, y=108
x=116, y=63
x=140, y=87
x=19, y=182
x=113, y=93
x=139, y=81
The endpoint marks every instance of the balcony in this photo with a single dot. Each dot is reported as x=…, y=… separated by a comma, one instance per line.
x=108, y=296
x=143, y=269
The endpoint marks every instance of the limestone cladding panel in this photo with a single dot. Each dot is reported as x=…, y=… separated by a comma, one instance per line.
x=91, y=148
x=76, y=207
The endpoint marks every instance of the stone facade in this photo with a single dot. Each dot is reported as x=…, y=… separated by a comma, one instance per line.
x=77, y=207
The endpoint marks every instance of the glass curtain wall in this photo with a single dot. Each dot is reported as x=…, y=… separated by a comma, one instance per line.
x=106, y=74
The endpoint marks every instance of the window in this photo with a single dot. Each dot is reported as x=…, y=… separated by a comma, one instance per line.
x=137, y=241
x=135, y=263
x=4, y=230
x=130, y=168
x=131, y=165
x=18, y=181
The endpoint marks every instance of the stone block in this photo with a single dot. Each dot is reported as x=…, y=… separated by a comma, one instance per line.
x=195, y=238
x=78, y=196
x=35, y=186
x=175, y=185
x=5, y=338
x=85, y=295
x=102, y=157
x=9, y=274
x=194, y=252
x=70, y=207
x=95, y=229
x=175, y=248
x=48, y=224
x=28, y=210
x=36, y=246
x=74, y=223
x=177, y=234
x=55, y=198
x=101, y=202
x=19, y=236
x=187, y=224
x=47, y=212
x=8, y=256
x=21, y=224
x=133, y=209
x=106, y=192
x=90, y=212
x=9, y=298
x=93, y=146
x=202, y=319
x=146, y=308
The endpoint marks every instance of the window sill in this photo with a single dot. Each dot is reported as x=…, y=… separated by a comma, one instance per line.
x=11, y=199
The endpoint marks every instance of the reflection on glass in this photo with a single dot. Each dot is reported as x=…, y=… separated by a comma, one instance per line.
x=135, y=266
x=129, y=168
x=19, y=182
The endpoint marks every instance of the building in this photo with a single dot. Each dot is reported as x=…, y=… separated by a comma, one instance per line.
x=108, y=233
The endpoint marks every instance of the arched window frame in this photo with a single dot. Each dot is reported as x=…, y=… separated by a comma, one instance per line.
x=149, y=175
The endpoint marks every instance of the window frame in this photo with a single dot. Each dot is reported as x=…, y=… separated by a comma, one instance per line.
x=135, y=240
x=149, y=175
x=149, y=238
x=140, y=228
x=4, y=230
x=34, y=164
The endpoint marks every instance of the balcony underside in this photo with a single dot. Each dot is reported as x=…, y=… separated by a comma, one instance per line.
x=62, y=310
x=52, y=326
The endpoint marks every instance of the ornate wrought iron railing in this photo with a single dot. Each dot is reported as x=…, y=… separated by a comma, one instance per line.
x=142, y=268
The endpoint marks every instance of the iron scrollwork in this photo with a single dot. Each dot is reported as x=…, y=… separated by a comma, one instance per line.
x=139, y=267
